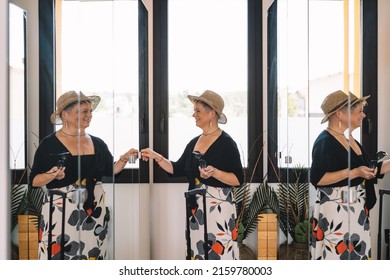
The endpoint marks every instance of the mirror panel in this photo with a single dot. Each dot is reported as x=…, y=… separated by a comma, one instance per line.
x=18, y=86
x=105, y=62
x=318, y=52
x=17, y=133
x=97, y=52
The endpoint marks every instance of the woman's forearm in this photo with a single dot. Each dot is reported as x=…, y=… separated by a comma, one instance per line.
x=385, y=166
x=43, y=179
x=227, y=178
x=165, y=164
x=336, y=176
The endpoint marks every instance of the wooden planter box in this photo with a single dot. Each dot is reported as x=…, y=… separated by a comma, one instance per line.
x=28, y=238
x=267, y=237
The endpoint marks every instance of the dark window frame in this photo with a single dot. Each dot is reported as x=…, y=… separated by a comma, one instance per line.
x=255, y=88
x=369, y=10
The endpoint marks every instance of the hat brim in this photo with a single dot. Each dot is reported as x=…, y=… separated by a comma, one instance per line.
x=94, y=99
x=361, y=99
x=222, y=118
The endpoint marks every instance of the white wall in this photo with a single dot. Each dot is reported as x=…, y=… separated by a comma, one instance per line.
x=129, y=228
x=168, y=221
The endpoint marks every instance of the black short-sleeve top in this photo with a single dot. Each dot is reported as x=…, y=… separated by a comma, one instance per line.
x=93, y=166
x=222, y=154
x=329, y=155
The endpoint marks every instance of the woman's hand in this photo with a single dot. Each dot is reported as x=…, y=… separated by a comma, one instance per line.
x=229, y=178
x=56, y=173
x=365, y=172
x=207, y=172
x=162, y=162
x=124, y=159
x=130, y=153
x=150, y=154
x=45, y=178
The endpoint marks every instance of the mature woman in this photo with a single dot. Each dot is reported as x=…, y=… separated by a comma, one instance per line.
x=344, y=181
x=210, y=161
x=68, y=166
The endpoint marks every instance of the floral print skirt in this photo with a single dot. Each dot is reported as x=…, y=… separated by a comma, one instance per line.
x=84, y=232
x=341, y=230
x=221, y=225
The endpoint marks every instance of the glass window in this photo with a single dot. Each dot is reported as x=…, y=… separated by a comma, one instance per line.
x=310, y=66
x=99, y=55
x=207, y=49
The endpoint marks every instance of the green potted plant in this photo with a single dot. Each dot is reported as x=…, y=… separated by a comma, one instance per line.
x=24, y=201
x=293, y=196
x=250, y=203
x=249, y=206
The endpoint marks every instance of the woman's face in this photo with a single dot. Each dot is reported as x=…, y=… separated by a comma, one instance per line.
x=82, y=112
x=202, y=115
x=357, y=115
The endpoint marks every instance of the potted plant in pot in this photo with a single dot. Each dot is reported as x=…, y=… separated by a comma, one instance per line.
x=249, y=206
x=26, y=205
x=250, y=203
x=293, y=196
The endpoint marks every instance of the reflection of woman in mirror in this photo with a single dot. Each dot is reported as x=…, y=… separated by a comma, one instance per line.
x=69, y=164
x=210, y=161
x=344, y=181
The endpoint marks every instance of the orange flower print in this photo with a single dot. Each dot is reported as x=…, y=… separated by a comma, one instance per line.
x=235, y=232
x=218, y=248
x=318, y=232
x=55, y=249
x=341, y=247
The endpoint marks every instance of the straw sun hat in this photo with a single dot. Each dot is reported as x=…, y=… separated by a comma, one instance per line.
x=337, y=100
x=214, y=100
x=69, y=98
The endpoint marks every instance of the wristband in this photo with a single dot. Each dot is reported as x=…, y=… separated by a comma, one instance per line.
x=121, y=159
x=158, y=161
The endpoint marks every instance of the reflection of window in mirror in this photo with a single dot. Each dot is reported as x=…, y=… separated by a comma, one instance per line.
x=200, y=60
x=310, y=65
x=198, y=47
x=98, y=55
x=17, y=84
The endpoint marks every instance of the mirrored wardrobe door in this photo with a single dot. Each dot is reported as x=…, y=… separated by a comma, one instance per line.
x=26, y=198
x=292, y=132
x=98, y=58
x=334, y=72
x=361, y=187
x=17, y=133
x=318, y=53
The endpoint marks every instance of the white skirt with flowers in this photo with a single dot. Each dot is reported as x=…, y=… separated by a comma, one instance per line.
x=341, y=231
x=85, y=231
x=221, y=225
